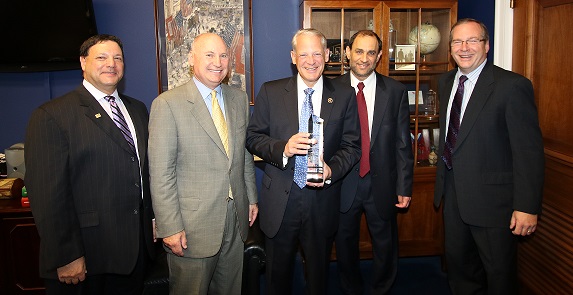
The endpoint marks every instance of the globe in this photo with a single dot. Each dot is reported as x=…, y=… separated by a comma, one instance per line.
x=429, y=38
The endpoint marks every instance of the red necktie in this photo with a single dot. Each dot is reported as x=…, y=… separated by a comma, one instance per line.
x=364, y=131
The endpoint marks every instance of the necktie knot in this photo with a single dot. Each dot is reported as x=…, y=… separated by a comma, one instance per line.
x=463, y=79
x=360, y=86
x=308, y=92
x=109, y=98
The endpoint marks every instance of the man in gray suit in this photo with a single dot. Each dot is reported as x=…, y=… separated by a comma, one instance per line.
x=202, y=176
x=88, y=181
x=491, y=173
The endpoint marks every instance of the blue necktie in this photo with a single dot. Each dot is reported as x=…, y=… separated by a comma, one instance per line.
x=301, y=161
x=454, y=125
x=119, y=120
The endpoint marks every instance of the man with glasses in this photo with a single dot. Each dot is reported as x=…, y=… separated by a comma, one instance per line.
x=492, y=165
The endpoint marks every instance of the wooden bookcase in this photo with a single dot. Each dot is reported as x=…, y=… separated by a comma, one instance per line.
x=396, y=22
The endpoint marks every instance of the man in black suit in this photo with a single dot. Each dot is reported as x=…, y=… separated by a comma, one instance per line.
x=492, y=167
x=382, y=181
x=304, y=213
x=88, y=181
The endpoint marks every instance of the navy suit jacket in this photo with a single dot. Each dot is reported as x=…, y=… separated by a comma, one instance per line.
x=85, y=185
x=391, y=158
x=275, y=120
x=498, y=160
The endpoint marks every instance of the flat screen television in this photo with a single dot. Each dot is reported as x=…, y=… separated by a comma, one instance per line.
x=44, y=35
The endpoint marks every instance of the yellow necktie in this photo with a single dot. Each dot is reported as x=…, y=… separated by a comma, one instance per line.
x=219, y=121
x=221, y=126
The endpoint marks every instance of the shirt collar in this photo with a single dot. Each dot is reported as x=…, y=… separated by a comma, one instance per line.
x=206, y=91
x=473, y=75
x=96, y=93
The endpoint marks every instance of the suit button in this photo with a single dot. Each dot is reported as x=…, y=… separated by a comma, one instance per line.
x=133, y=159
x=135, y=211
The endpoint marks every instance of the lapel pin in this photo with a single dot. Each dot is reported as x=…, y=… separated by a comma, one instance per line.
x=98, y=115
x=330, y=100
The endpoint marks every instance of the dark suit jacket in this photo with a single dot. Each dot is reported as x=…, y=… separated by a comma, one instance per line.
x=84, y=184
x=498, y=160
x=275, y=120
x=391, y=158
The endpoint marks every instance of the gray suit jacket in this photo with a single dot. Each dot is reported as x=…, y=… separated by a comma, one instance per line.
x=190, y=171
x=498, y=160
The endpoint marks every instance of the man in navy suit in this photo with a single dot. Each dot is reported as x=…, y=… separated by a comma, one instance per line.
x=491, y=174
x=304, y=214
x=385, y=183
x=88, y=184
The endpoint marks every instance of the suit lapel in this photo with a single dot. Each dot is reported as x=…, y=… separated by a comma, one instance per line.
x=328, y=100
x=479, y=97
x=199, y=110
x=94, y=111
x=290, y=103
x=380, y=105
x=231, y=113
x=139, y=123
x=445, y=97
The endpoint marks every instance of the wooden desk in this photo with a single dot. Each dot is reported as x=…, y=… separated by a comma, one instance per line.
x=19, y=249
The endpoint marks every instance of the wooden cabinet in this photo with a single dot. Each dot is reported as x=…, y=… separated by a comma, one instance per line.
x=19, y=250
x=415, y=57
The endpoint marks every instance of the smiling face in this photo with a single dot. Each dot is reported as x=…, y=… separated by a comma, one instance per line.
x=309, y=56
x=467, y=56
x=363, y=56
x=103, y=66
x=209, y=59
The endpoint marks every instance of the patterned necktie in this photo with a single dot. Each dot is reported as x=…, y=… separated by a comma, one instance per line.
x=364, y=131
x=301, y=161
x=119, y=120
x=219, y=120
x=221, y=126
x=454, y=124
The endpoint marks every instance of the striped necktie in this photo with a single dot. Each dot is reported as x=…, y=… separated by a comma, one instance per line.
x=119, y=120
x=454, y=124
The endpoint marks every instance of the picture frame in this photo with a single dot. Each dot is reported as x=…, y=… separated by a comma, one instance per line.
x=336, y=49
x=178, y=22
x=405, y=57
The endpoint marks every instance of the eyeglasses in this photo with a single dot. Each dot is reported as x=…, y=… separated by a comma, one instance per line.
x=469, y=42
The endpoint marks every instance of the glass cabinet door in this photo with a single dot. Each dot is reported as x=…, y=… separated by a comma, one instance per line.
x=418, y=46
x=338, y=23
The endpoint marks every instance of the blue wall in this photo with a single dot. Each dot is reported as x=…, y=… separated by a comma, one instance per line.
x=274, y=23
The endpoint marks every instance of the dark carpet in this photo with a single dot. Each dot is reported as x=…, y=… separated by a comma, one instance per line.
x=416, y=275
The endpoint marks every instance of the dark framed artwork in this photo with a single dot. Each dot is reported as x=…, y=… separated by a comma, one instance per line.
x=178, y=22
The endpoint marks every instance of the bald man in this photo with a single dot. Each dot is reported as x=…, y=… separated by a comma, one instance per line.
x=202, y=176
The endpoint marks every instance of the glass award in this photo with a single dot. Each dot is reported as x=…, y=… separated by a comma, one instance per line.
x=315, y=165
